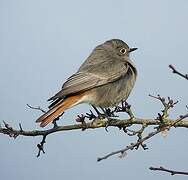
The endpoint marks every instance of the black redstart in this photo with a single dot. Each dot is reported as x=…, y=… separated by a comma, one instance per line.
x=103, y=80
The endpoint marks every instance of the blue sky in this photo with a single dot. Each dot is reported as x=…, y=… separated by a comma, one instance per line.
x=43, y=42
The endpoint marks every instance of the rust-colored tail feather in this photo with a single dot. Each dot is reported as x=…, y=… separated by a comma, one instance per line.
x=58, y=109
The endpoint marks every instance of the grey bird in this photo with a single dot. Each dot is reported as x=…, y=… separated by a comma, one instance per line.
x=103, y=80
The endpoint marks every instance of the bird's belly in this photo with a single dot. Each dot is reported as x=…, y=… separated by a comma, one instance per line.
x=112, y=94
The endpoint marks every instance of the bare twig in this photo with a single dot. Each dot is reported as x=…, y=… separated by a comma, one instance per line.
x=36, y=108
x=167, y=104
x=131, y=146
x=100, y=122
x=179, y=119
x=21, y=129
x=137, y=133
x=172, y=172
x=11, y=132
x=114, y=123
x=163, y=125
x=125, y=107
x=41, y=145
x=141, y=140
x=177, y=72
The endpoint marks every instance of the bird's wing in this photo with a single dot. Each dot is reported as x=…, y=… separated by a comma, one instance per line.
x=93, y=76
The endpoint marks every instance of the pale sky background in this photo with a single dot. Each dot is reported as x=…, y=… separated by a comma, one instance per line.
x=43, y=42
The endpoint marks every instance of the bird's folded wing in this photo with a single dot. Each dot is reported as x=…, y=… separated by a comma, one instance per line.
x=82, y=81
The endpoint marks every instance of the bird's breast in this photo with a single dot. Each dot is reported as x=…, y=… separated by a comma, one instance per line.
x=113, y=93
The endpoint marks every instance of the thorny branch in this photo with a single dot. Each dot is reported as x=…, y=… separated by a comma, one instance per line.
x=132, y=146
x=41, y=145
x=172, y=172
x=161, y=123
x=163, y=126
x=36, y=108
x=177, y=72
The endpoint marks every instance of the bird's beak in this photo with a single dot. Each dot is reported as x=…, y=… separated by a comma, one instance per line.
x=132, y=49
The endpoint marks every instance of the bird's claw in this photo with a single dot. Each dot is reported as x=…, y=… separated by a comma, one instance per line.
x=108, y=123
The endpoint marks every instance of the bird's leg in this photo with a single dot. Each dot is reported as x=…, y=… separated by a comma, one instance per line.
x=81, y=119
x=97, y=119
x=100, y=115
x=108, y=114
x=54, y=122
x=125, y=107
x=56, y=119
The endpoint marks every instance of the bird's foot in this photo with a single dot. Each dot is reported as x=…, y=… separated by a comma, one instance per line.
x=81, y=119
x=99, y=114
x=54, y=122
x=125, y=107
x=108, y=123
x=108, y=113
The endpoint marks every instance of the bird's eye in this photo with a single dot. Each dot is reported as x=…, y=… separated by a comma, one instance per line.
x=123, y=50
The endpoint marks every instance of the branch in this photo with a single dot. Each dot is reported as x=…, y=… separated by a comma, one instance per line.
x=141, y=140
x=36, y=108
x=11, y=132
x=163, y=126
x=177, y=72
x=172, y=172
x=162, y=123
x=99, y=123
x=130, y=147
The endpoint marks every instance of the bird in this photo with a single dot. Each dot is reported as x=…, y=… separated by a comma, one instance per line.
x=105, y=79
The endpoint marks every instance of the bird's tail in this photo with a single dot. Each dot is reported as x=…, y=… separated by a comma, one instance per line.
x=58, y=109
